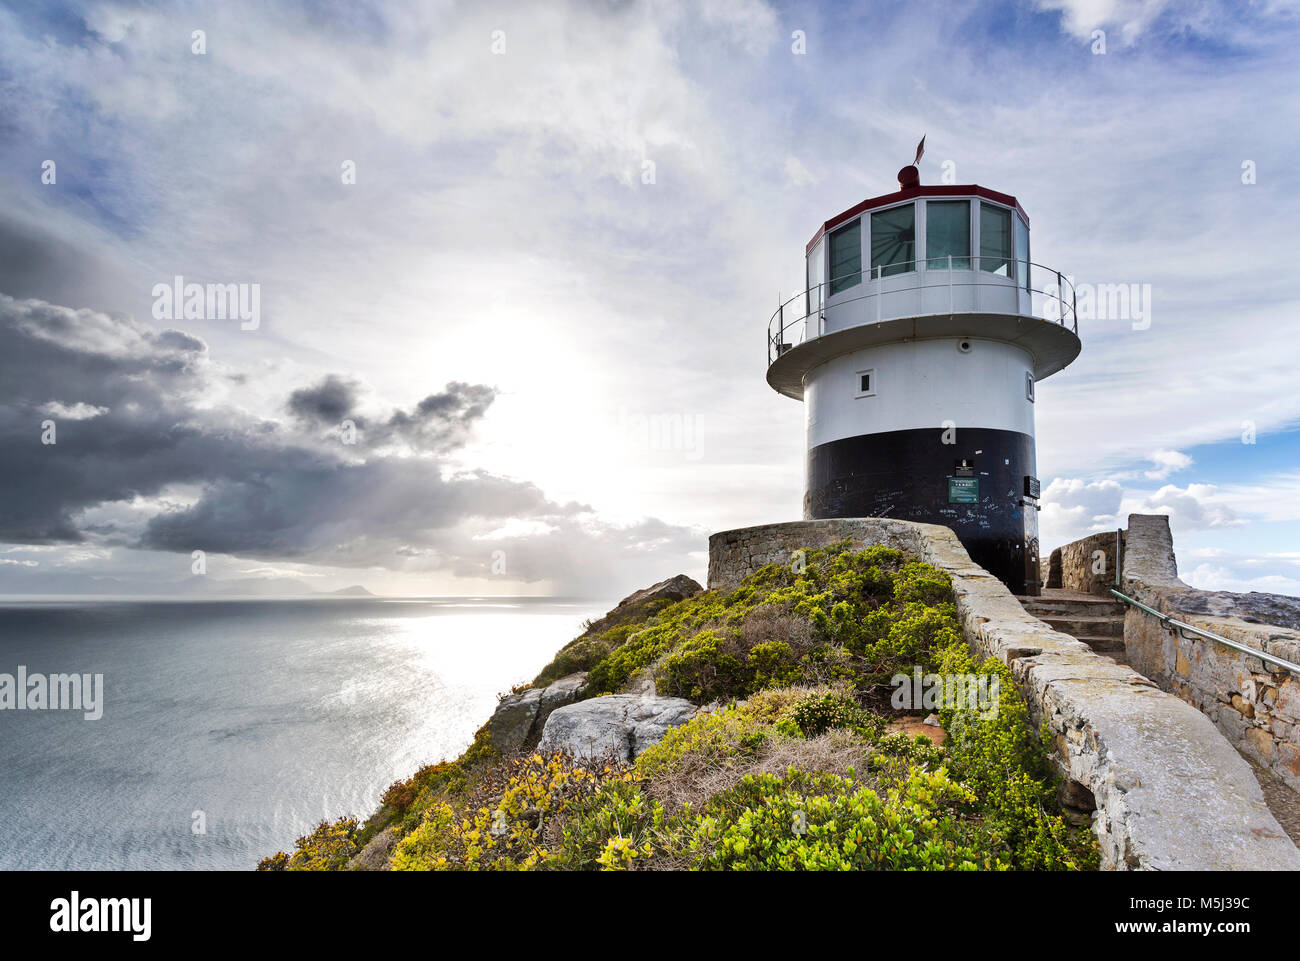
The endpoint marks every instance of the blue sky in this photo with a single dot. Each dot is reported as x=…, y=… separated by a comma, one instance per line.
x=502, y=233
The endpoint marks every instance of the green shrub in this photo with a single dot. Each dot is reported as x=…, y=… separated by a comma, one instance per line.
x=865, y=613
x=793, y=652
x=819, y=713
x=823, y=822
x=507, y=827
x=705, y=667
x=327, y=848
x=1006, y=762
x=584, y=653
x=736, y=731
x=612, y=831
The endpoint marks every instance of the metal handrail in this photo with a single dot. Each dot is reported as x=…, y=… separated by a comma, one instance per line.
x=1183, y=627
x=776, y=344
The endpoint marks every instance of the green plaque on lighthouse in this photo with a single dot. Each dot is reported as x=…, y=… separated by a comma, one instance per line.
x=963, y=490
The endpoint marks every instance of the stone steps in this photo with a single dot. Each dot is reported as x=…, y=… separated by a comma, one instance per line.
x=1082, y=606
x=1094, y=620
x=1077, y=626
x=1110, y=646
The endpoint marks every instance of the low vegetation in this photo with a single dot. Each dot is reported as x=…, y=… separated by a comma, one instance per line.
x=797, y=766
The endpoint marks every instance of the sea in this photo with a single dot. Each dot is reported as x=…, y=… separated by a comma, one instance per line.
x=231, y=727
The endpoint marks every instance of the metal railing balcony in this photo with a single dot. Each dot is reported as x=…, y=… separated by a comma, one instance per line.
x=919, y=288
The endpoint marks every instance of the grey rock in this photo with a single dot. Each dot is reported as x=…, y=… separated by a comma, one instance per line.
x=674, y=589
x=520, y=717
x=562, y=692
x=512, y=721
x=619, y=726
x=1256, y=607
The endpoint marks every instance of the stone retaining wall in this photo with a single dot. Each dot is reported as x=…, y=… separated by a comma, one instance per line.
x=1169, y=791
x=1257, y=707
x=1086, y=565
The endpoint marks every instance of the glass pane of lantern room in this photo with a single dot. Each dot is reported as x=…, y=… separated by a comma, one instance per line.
x=846, y=257
x=947, y=233
x=893, y=241
x=1022, y=253
x=816, y=275
x=995, y=239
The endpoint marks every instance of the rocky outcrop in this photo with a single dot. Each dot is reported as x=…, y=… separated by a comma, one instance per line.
x=633, y=606
x=591, y=646
x=1255, y=607
x=519, y=718
x=618, y=727
x=676, y=588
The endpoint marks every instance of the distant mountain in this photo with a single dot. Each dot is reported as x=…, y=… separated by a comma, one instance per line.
x=42, y=583
x=258, y=587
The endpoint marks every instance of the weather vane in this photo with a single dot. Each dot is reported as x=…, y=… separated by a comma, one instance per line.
x=910, y=176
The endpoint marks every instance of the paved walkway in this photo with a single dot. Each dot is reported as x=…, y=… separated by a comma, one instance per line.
x=1281, y=798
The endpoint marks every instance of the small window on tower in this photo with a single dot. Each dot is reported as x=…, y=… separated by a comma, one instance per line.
x=866, y=383
x=1029, y=386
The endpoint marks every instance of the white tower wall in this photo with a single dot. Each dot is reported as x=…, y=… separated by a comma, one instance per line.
x=920, y=385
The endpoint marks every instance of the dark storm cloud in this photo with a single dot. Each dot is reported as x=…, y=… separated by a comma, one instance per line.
x=328, y=402
x=37, y=263
x=437, y=423
x=111, y=387
x=129, y=408
x=441, y=419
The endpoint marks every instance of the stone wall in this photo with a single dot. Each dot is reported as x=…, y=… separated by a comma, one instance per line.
x=1257, y=707
x=734, y=554
x=1086, y=565
x=1169, y=791
x=1054, y=570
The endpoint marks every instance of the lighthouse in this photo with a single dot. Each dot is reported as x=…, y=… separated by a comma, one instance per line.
x=917, y=349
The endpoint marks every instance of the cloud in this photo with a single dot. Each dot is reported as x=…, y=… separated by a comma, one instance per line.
x=500, y=234
x=797, y=174
x=75, y=412
x=1167, y=462
x=327, y=402
x=1134, y=18
x=161, y=469
x=1195, y=507
x=1131, y=17
x=1214, y=569
x=1073, y=508
x=438, y=423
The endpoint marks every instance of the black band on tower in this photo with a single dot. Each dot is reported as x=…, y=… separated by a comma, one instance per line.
x=912, y=475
